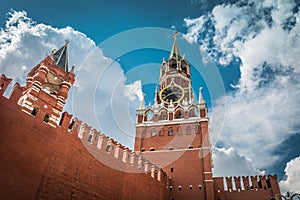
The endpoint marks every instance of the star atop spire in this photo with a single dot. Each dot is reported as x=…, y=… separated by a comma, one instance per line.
x=175, y=53
x=61, y=57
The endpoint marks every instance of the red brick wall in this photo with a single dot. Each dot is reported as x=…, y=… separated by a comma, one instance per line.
x=41, y=162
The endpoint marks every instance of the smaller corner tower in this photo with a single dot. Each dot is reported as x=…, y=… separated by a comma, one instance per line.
x=47, y=87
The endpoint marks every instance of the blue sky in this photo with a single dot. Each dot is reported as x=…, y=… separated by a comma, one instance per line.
x=250, y=46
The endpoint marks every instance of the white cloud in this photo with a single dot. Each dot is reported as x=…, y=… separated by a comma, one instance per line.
x=227, y=162
x=292, y=173
x=257, y=123
x=256, y=33
x=263, y=110
x=195, y=25
x=24, y=43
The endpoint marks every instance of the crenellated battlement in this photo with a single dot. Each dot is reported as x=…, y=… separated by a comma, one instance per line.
x=242, y=185
x=100, y=144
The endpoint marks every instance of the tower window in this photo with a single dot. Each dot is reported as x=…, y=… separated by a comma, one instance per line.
x=153, y=133
x=188, y=130
x=172, y=169
x=108, y=148
x=171, y=188
x=142, y=150
x=179, y=114
x=171, y=148
x=199, y=187
x=46, y=118
x=71, y=125
x=179, y=187
x=152, y=149
x=179, y=130
x=191, y=187
x=190, y=147
x=149, y=115
x=90, y=138
x=170, y=131
x=34, y=111
x=161, y=133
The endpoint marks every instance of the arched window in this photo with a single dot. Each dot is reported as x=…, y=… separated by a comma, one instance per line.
x=152, y=149
x=163, y=115
x=90, y=138
x=188, y=130
x=190, y=147
x=34, y=111
x=108, y=148
x=198, y=129
x=179, y=114
x=179, y=132
x=46, y=118
x=192, y=112
x=71, y=125
x=149, y=115
x=153, y=133
x=170, y=131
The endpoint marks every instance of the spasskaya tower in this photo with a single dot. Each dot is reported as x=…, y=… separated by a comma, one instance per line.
x=173, y=133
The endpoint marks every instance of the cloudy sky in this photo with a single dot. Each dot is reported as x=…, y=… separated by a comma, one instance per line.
x=244, y=53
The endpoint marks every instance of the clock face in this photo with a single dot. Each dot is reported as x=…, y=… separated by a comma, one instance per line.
x=52, y=83
x=171, y=93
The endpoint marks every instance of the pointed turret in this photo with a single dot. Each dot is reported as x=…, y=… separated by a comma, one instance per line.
x=200, y=99
x=142, y=105
x=175, y=50
x=60, y=57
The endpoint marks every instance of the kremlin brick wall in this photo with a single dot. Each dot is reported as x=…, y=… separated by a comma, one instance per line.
x=42, y=162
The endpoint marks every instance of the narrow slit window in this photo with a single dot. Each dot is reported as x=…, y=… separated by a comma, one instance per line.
x=34, y=111
x=46, y=118
x=153, y=133
x=170, y=131
x=152, y=149
x=90, y=138
x=108, y=148
x=71, y=125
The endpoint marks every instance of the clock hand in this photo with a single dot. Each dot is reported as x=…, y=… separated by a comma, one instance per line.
x=170, y=94
x=177, y=94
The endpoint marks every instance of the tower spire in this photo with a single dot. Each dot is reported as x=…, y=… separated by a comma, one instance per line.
x=142, y=105
x=200, y=100
x=175, y=53
x=61, y=57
